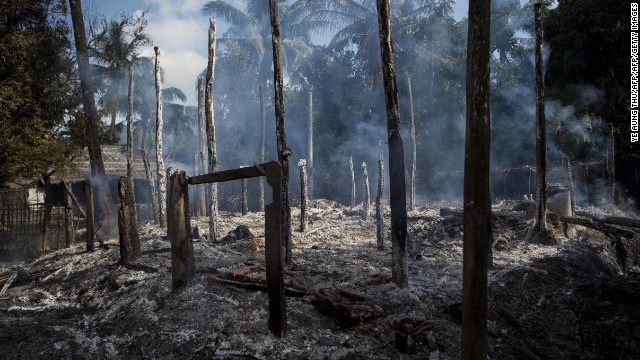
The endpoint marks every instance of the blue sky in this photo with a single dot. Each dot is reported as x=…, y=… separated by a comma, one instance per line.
x=180, y=29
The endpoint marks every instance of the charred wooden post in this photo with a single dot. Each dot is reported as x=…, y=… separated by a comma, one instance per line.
x=477, y=195
x=160, y=171
x=152, y=187
x=88, y=191
x=245, y=195
x=412, y=131
x=572, y=189
x=303, y=194
x=211, y=132
x=196, y=210
x=310, y=144
x=541, y=133
x=273, y=252
x=168, y=175
x=379, y=219
x=136, y=247
x=262, y=144
x=353, y=183
x=611, y=164
x=202, y=201
x=281, y=136
x=398, y=193
x=179, y=232
x=124, y=224
x=366, y=194
x=68, y=215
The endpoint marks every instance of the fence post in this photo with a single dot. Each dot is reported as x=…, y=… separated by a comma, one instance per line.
x=273, y=253
x=124, y=222
x=179, y=231
x=68, y=215
x=89, y=195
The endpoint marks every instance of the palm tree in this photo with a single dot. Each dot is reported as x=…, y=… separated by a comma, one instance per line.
x=116, y=47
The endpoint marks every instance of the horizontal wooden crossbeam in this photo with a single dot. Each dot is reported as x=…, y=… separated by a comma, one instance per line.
x=229, y=175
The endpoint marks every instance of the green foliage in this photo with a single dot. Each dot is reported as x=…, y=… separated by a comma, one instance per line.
x=588, y=67
x=35, y=91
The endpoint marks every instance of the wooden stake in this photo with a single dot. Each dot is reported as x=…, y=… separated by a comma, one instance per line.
x=136, y=247
x=152, y=188
x=262, y=144
x=303, y=194
x=124, y=224
x=366, y=194
x=90, y=215
x=572, y=189
x=160, y=170
x=245, y=195
x=202, y=190
x=179, y=232
x=353, y=183
x=310, y=144
x=379, y=219
x=68, y=215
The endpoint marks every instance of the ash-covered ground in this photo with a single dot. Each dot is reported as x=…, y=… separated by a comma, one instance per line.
x=578, y=299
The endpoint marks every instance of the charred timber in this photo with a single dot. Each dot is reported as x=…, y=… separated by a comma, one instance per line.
x=477, y=199
x=398, y=193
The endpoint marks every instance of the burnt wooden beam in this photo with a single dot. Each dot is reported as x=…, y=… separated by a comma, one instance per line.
x=229, y=175
x=67, y=189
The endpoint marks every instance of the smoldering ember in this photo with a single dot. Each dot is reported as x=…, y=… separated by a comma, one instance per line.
x=353, y=179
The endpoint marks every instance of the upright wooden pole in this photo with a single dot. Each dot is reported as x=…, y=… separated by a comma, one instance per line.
x=262, y=145
x=198, y=210
x=162, y=181
x=211, y=132
x=611, y=165
x=273, y=253
x=68, y=215
x=477, y=199
x=353, y=183
x=541, y=133
x=310, y=144
x=245, y=195
x=202, y=192
x=412, y=131
x=397, y=187
x=572, y=188
x=136, y=247
x=366, y=193
x=379, y=218
x=152, y=187
x=88, y=191
x=179, y=232
x=124, y=224
x=303, y=194
x=281, y=136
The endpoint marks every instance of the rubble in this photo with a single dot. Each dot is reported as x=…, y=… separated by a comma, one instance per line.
x=577, y=299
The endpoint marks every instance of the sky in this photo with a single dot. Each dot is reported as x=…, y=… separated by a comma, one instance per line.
x=180, y=29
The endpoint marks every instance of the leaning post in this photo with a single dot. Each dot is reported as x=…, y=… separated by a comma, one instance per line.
x=68, y=215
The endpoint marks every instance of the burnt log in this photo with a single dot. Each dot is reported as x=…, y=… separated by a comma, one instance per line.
x=179, y=232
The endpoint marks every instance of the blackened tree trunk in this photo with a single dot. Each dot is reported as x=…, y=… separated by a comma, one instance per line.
x=93, y=125
x=398, y=193
x=124, y=224
x=160, y=170
x=303, y=194
x=477, y=200
x=262, y=144
x=183, y=263
x=136, y=247
x=366, y=193
x=310, y=144
x=197, y=210
x=353, y=183
x=202, y=193
x=379, y=219
x=412, y=131
x=211, y=132
x=152, y=187
x=541, y=133
x=283, y=150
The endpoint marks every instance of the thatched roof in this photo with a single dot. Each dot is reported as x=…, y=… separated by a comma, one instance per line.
x=115, y=164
